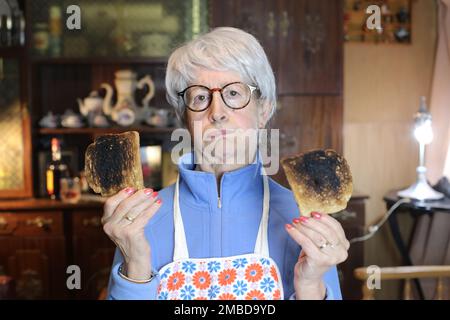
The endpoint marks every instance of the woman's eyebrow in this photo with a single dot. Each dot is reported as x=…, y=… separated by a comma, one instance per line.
x=221, y=85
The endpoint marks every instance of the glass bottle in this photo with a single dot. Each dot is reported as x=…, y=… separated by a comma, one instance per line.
x=56, y=170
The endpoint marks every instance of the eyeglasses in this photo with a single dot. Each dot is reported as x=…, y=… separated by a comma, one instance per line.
x=235, y=95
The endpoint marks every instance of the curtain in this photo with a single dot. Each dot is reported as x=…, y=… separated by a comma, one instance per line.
x=438, y=151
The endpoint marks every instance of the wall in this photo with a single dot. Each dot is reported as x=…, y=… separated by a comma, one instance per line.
x=382, y=86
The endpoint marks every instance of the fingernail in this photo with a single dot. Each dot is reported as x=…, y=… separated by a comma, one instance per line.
x=303, y=219
x=148, y=191
x=129, y=190
x=158, y=201
x=296, y=220
x=288, y=226
x=155, y=194
x=316, y=215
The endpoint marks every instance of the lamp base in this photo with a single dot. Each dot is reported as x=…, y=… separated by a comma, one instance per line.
x=420, y=190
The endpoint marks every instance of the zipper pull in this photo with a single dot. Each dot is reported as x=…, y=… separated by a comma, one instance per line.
x=219, y=203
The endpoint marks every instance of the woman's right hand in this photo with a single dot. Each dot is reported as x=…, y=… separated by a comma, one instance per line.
x=128, y=235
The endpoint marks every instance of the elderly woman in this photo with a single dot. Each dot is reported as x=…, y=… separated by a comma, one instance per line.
x=224, y=230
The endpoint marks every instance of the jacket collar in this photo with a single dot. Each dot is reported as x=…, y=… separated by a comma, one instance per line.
x=238, y=184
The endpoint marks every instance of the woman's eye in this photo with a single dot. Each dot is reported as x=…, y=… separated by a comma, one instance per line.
x=200, y=98
x=234, y=93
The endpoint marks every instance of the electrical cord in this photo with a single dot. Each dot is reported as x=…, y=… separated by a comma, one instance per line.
x=374, y=228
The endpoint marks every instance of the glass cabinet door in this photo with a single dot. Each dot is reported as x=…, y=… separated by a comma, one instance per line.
x=15, y=155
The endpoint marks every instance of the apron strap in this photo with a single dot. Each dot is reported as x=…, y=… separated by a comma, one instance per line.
x=262, y=241
x=180, y=243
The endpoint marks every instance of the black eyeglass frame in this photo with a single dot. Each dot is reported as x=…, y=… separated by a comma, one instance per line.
x=211, y=92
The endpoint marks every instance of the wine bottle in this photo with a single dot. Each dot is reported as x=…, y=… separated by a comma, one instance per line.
x=56, y=170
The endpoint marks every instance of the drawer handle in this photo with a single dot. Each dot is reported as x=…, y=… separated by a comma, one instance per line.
x=92, y=222
x=40, y=222
x=344, y=215
x=3, y=223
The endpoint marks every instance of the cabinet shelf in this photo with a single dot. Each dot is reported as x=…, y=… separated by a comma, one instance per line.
x=97, y=131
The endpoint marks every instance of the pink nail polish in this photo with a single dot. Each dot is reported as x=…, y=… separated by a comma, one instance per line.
x=288, y=226
x=296, y=220
x=148, y=191
x=303, y=219
x=129, y=190
x=158, y=201
x=154, y=194
x=316, y=215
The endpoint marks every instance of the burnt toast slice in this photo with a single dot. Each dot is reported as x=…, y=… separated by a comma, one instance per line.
x=113, y=162
x=320, y=180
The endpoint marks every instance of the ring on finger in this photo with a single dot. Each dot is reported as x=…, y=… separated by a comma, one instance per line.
x=324, y=245
x=129, y=218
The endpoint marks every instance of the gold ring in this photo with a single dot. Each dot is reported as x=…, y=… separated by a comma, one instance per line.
x=323, y=246
x=129, y=218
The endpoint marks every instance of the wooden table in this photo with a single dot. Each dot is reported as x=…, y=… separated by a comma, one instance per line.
x=416, y=208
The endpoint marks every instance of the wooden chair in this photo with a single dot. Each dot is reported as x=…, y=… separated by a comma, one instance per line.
x=406, y=273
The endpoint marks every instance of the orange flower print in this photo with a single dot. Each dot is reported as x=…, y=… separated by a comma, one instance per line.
x=175, y=281
x=201, y=298
x=227, y=296
x=255, y=295
x=277, y=295
x=253, y=272
x=273, y=273
x=227, y=277
x=202, y=280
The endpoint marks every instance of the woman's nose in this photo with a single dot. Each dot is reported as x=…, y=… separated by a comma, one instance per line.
x=217, y=109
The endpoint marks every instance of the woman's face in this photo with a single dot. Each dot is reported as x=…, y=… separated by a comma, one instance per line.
x=217, y=131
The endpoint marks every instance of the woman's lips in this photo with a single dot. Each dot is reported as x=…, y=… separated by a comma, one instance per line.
x=218, y=133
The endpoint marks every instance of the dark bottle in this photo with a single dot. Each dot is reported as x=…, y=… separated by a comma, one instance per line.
x=55, y=171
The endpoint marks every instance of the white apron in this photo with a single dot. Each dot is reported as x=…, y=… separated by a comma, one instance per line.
x=253, y=276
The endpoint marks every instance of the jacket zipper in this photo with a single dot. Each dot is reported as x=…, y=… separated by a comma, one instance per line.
x=219, y=201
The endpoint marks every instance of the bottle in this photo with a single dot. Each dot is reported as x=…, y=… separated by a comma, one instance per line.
x=5, y=30
x=18, y=29
x=40, y=38
x=55, y=171
x=55, y=31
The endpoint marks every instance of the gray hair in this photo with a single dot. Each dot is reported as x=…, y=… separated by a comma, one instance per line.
x=222, y=49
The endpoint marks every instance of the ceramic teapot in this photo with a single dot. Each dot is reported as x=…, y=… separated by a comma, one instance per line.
x=91, y=104
x=126, y=112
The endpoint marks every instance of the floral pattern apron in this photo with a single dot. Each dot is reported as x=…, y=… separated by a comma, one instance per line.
x=253, y=276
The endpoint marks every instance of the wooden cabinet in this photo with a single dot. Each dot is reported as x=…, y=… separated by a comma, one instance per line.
x=93, y=252
x=302, y=38
x=40, y=239
x=32, y=251
x=310, y=47
x=257, y=17
x=353, y=222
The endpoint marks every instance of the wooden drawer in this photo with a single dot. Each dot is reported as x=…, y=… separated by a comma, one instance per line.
x=45, y=223
x=87, y=222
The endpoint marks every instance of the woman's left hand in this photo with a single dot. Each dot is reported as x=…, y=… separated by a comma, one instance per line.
x=323, y=245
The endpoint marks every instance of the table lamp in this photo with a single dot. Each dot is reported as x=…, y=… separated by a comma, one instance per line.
x=423, y=133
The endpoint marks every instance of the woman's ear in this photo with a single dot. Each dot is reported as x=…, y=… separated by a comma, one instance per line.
x=264, y=113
